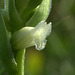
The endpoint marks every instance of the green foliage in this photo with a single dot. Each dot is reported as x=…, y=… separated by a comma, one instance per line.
x=15, y=21
x=30, y=9
x=6, y=54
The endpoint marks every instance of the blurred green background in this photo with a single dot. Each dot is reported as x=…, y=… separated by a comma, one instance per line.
x=58, y=58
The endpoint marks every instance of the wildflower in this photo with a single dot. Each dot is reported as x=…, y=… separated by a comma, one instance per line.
x=31, y=36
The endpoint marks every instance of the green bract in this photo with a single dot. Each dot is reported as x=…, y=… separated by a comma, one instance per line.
x=6, y=54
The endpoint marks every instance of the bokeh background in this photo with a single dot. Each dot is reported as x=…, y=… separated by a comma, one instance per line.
x=58, y=58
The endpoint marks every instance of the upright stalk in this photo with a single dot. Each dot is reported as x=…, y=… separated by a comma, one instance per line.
x=20, y=61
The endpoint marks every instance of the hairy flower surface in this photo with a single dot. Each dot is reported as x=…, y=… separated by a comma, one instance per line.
x=31, y=36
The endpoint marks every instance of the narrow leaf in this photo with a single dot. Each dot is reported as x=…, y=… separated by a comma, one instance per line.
x=15, y=20
x=1, y=3
x=6, y=55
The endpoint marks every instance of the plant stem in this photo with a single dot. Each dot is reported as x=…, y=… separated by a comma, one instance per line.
x=6, y=54
x=20, y=61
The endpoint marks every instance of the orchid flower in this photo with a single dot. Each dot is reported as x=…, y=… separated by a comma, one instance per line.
x=31, y=36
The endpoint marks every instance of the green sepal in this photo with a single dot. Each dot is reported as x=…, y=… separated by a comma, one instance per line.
x=0, y=2
x=6, y=54
x=15, y=21
x=41, y=13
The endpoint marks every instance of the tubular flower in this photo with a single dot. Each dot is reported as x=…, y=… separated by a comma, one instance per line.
x=31, y=36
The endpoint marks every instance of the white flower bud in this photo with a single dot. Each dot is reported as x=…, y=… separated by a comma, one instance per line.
x=30, y=36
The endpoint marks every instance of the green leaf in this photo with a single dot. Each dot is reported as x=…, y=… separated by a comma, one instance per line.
x=15, y=21
x=6, y=54
x=21, y=5
x=1, y=3
x=5, y=11
x=41, y=13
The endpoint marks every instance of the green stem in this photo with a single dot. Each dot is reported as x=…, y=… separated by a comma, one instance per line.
x=20, y=61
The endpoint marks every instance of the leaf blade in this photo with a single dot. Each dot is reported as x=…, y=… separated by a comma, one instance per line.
x=6, y=54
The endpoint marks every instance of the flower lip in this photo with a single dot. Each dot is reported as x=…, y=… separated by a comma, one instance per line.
x=42, y=31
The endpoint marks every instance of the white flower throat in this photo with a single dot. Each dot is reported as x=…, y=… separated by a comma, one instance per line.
x=31, y=36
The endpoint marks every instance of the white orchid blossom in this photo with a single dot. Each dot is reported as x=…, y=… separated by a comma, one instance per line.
x=31, y=36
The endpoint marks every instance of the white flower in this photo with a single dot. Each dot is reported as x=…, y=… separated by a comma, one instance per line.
x=30, y=36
